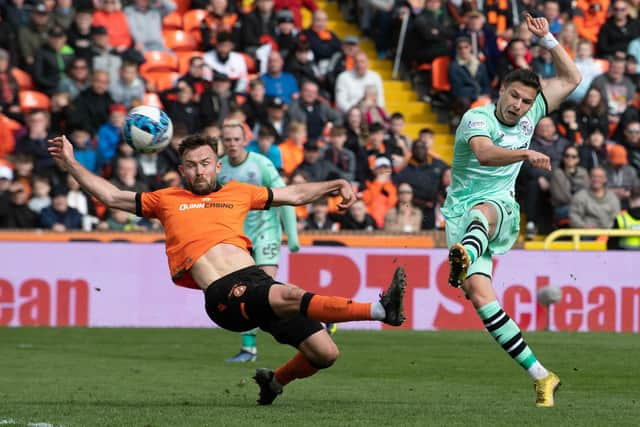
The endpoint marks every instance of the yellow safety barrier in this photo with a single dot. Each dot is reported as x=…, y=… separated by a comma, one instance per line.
x=577, y=233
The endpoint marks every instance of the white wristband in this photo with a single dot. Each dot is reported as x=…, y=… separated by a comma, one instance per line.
x=548, y=41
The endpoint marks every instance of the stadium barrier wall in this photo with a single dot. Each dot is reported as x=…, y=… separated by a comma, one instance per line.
x=128, y=285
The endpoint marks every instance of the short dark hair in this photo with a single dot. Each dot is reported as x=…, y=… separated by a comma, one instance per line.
x=426, y=130
x=267, y=131
x=198, y=140
x=396, y=116
x=526, y=77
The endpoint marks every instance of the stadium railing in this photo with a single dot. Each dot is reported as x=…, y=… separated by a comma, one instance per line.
x=576, y=234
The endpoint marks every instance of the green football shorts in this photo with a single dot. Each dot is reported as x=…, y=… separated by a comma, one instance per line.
x=266, y=248
x=506, y=234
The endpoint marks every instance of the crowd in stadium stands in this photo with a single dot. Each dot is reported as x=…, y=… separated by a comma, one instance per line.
x=309, y=101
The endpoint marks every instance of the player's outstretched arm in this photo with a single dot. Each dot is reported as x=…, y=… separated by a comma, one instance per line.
x=556, y=89
x=62, y=151
x=489, y=154
x=301, y=194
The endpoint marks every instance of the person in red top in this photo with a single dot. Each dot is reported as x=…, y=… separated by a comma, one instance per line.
x=111, y=16
x=294, y=6
x=206, y=249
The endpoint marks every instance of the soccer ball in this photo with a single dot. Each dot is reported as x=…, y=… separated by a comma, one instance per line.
x=147, y=129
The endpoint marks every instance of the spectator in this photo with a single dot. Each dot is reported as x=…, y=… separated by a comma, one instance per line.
x=551, y=11
x=110, y=16
x=84, y=149
x=309, y=109
x=536, y=182
x=255, y=107
x=300, y=63
x=515, y=56
x=631, y=70
x=80, y=201
x=16, y=14
x=286, y=33
x=278, y=83
x=377, y=147
x=77, y=77
x=91, y=106
x=592, y=113
x=404, y=217
x=79, y=34
x=129, y=86
x=51, y=60
x=256, y=24
x=469, y=78
x=423, y=175
x=617, y=31
x=110, y=135
x=319, y=218
x=596, y=206
x=589, y=16
x=631, y=142
x=396, y=138
x=169, y=158
x=195, y=77
x=627, y=220
x=217, y=101
x=24, y=171
x=61, y=114
x=317, y=168
x=9, y=101
x=428, y=34
x=292, y=150
x=277, y=117
x=593, y=153
x=619, y=89
x=566, y=180
x=567, y=123
x=357, y=218
x=126, y=175
x=34, y=34
x=119, y=220
x=481, y=42
x=63, y=13
x=380, y=194
x=543, y=64
x=323, y=42
x=18, y=214
x=34, y=143
x=341, y=61
x=103, y=55
x=351, y=84
x=40, y=197
x=178, y=104
x=588, y=68
x=339, y=156
x=265, y=145
x=223, y=60
x=369, y=107
x=568, y=38
x=295, y=6
x=60, y=216
x=634, y=48
x=220, y=19
x=620, y=176
x=145, y=22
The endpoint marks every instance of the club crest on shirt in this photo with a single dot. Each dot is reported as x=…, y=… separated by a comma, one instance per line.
x=476, y=124
x=526, y=127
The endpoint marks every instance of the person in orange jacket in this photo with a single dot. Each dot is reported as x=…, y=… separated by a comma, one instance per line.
x=589, y=15
x=381, y=194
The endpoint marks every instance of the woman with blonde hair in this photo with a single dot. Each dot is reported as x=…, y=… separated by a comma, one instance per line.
x=568, y=38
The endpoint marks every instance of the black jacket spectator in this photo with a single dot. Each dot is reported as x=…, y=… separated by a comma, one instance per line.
x=612, y=38
x=254, y=26
x=92, y=109
x=48, y=66
x=323, y=47
x=428, y=36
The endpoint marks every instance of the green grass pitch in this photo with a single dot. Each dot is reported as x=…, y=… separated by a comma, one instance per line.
x=177, y=377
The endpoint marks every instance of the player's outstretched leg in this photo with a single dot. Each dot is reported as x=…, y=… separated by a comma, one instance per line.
x=248, y=351
x=389, y=309
x=472, y=246
x=505, y=331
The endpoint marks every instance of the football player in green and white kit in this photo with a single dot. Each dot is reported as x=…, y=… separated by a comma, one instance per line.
x=264, y=228
x=482, y=216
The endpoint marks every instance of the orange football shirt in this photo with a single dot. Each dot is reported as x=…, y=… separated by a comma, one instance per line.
x=195, y=223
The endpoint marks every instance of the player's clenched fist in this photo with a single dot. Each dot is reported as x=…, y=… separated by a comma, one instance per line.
x=539, y=160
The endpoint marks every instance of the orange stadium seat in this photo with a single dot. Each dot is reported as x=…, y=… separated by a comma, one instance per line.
x=172, y=21
x=602, y=63
x=152, y=99
x=191, y=21
x=25, y=82
x=185, y=57
x=440, y=74
x=33, y=100
x=178, y=40
x=162, y=80
x=157, y=60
